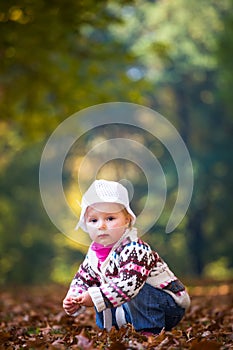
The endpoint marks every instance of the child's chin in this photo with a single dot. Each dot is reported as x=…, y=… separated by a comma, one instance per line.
x=106, y=242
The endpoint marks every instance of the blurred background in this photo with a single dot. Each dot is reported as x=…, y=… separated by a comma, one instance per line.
x=59, y=57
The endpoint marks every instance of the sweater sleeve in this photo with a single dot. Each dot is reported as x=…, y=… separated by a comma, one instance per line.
x=84, y=278
x=133, y=265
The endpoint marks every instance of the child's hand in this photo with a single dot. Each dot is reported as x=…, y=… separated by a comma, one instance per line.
x=70, y=305
x=84, y=299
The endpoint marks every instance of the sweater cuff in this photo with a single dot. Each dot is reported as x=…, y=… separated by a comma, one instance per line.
x=97, y=298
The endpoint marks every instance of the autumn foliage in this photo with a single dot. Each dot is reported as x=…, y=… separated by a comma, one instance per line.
x=33, y=318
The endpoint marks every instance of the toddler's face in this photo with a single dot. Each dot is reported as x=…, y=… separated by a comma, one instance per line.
x=106, y=222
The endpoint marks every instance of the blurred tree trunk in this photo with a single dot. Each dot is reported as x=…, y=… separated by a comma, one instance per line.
x=195, y=234
x=196, y=241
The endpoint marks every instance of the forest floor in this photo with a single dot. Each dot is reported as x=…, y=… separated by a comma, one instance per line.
x=33, y=318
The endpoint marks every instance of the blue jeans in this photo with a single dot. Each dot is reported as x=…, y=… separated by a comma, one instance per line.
x=150, y=310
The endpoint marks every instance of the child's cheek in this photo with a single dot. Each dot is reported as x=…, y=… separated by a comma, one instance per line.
x=92, y=232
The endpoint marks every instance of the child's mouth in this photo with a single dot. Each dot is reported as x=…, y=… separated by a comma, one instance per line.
x=103, y=235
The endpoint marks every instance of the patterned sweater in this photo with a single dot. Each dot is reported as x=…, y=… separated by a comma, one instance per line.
x=130, y=264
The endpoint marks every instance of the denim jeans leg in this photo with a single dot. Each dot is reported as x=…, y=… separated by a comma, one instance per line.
x=99, y=318
x=153, y=309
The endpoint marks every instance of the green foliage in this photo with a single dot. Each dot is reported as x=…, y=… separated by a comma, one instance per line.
x=225, y=51
x=24, y=238
x=173, y=56
x=28, y=244
x=55, y=57
x=188, y=50
x=219, y=269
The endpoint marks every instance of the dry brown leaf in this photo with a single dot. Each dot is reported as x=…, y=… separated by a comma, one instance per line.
x=33, y=318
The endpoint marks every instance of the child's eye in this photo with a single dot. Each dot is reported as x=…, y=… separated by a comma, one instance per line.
x=92, y=220
x=110, y=218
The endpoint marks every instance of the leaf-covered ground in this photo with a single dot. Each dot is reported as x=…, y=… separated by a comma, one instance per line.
x=32, y=318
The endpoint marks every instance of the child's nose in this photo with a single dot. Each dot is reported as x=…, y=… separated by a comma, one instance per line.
x=102, y=225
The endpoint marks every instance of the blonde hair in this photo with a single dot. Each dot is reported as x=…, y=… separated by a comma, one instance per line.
x=124, y=210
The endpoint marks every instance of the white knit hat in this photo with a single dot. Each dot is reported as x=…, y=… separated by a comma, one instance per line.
x=102, y=191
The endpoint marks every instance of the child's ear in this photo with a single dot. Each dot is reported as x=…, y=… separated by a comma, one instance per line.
x=128, y=220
